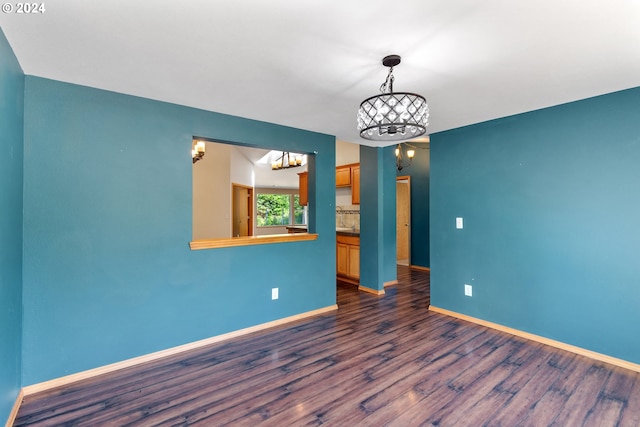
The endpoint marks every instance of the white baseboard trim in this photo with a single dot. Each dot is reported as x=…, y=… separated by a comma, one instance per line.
x=537, y=338
x=371, y=291
x=14, y=411
x=68, y=379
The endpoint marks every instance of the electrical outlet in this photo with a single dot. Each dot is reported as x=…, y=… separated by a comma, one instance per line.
x=468, y=290
x=459, y=223
x=274, y=293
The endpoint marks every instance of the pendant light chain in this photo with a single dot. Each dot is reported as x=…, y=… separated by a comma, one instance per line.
x=387, y=86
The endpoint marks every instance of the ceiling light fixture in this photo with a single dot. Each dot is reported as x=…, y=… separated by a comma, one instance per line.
x=392, y=116
x=197, y=151
x=287, y=160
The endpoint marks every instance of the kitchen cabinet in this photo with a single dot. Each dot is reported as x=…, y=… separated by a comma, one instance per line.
x=349, y=176
x=354, y=261
x=342, y=259
x=343, y=176
x=348, y=258
x=355, y=184
x=303, y=188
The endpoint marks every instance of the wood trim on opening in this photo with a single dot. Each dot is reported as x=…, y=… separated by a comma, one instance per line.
x=418, y=267
x=250, y=240
x=537, y=338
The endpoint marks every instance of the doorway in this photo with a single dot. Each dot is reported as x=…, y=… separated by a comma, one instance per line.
x=403, y=220
x=242, y=210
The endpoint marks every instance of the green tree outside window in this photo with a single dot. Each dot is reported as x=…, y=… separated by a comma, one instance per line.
x=279, y=209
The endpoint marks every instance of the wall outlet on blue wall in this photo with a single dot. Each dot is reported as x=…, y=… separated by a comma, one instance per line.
x=274, y=293
x=468, y=290
x=459, y=223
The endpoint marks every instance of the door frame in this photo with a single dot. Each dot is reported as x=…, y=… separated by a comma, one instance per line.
x=406, y=178
x=250, y=209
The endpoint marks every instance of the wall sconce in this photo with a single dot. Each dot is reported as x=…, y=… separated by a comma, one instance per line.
x=197, y=152
x=402, y=155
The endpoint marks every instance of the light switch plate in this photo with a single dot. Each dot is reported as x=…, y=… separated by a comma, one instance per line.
x=459, y=223
x=274, y=293
x=468, y=290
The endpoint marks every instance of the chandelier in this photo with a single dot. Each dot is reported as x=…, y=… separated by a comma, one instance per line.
x=287, y=160
x=392, y=116
x=197, y=151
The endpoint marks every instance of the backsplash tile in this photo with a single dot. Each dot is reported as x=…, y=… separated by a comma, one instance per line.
x=348, y=216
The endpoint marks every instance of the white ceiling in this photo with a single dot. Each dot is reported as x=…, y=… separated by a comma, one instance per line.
x=264, y=176
x=310, y=63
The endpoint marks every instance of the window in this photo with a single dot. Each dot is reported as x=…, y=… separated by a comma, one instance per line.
x=299, y=212
x=279, y=209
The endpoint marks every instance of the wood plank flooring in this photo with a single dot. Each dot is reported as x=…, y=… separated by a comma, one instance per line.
x=377, y=361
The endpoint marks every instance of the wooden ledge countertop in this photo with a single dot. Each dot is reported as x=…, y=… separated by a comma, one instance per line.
x=250, y=240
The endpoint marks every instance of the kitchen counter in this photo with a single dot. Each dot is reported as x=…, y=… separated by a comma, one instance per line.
x=348, y=232
x=296, y=229
x=339, y=230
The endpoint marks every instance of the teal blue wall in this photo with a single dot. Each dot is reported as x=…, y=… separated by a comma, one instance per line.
x=551, y=208
x=378, y=217
x=388, y=223
x=108, y=274
x=419, y=171
x=11, y=149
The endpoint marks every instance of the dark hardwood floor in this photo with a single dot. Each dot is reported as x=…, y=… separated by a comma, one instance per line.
x=377, y=361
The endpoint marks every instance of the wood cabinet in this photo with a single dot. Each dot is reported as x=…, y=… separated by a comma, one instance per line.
x=343, y=176
x=349, y=176
x=303, y=188
x=342, y=259
x=348, y=258
x=355, y=184
x=354, y=261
